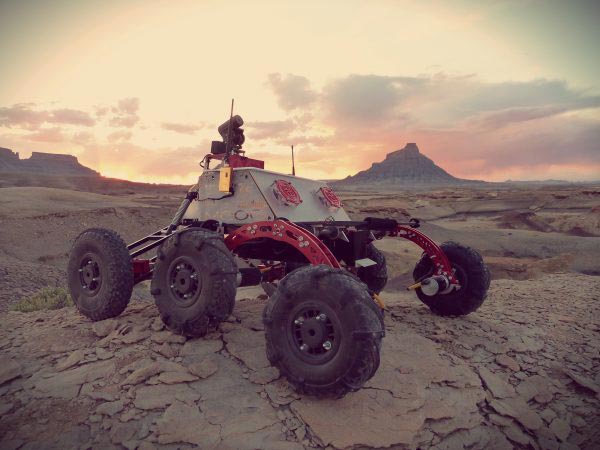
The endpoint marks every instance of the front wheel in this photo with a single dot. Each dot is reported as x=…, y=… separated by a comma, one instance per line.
x=323, y=331
x=194, y=281
x=472, y=273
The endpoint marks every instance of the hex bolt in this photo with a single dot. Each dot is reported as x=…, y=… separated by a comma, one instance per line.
x=172, y=286
x=194, y=276
x=322, y=317
x=304, y=347
x=327, y=345
x=299, y=321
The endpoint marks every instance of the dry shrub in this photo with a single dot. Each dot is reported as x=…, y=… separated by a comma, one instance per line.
x=46, y=298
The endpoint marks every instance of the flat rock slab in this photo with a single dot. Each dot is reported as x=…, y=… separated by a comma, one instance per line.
x=495, y=384
x=248, y=346
x=352, y=420
x=9, y=370
x=161, y=395
x=67, y=384
x=182, y=423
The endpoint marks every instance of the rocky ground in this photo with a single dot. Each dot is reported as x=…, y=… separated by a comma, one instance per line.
x=38, y=226
x=522, y=372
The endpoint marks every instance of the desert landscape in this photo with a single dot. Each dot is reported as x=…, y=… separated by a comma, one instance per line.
x=521, y=372
x=209, y=214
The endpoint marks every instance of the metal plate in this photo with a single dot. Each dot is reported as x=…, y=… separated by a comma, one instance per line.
x=254, y=199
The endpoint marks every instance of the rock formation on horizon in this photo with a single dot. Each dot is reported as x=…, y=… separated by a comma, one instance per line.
x=405, y=167
x=43, y=163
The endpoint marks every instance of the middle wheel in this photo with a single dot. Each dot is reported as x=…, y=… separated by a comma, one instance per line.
x=194, y=281
x=323, y=331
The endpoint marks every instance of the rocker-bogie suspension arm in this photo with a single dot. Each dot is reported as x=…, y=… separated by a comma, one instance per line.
x=299, y=237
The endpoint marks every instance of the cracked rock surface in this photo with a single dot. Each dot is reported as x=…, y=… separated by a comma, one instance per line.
x=521, y=372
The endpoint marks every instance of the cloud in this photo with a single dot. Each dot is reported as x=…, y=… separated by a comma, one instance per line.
x=270, y=130
x=366, y=98
x=129, y=106
x=471, y=127
x=118, y=136
x=182, y=128
x=101, y=111
x=47, y=135
x=82, y=137
x=24, y=115
x=291, y=91
x=71, y=117
x=125, y=113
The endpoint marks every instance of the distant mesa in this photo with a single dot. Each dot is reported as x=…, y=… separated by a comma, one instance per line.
x=406, y=167
x=43, y=163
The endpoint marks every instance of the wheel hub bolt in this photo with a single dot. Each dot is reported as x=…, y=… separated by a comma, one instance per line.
x=193, y=276
x=172, y=286
x=322, y=317
x=299, y=321
x=304, y=347
x=327, y=345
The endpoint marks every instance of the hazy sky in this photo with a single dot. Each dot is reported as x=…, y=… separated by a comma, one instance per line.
x=488, y=89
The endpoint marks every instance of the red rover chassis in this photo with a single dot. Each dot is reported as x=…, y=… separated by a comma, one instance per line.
x=323, y=320
x=298, y=236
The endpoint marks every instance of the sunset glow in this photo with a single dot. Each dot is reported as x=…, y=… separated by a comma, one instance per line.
x=489, y=90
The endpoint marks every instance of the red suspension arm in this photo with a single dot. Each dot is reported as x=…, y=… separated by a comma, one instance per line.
x=439, y=259
x=304, y=241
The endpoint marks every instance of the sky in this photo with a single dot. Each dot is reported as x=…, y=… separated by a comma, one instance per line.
x=490, y=90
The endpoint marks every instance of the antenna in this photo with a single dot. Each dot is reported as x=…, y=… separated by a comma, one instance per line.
x=228, y=148
x=293, y=165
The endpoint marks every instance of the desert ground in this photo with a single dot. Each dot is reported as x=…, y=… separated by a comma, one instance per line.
x=521, y=372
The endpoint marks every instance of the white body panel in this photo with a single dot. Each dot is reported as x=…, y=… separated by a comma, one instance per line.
x=254, y=200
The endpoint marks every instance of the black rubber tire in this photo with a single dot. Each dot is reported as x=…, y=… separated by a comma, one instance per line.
x=359, y=330
x=109, y=297
x=216, y=271
x=375, y=277
x=472, y=273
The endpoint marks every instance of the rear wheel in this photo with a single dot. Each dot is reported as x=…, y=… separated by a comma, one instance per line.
x=194, y=282
x=472, y=273
x=323, y=331
x=100, y=274
x=375, y=276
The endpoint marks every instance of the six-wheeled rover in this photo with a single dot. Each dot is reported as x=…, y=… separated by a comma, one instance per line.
x=241, y=225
